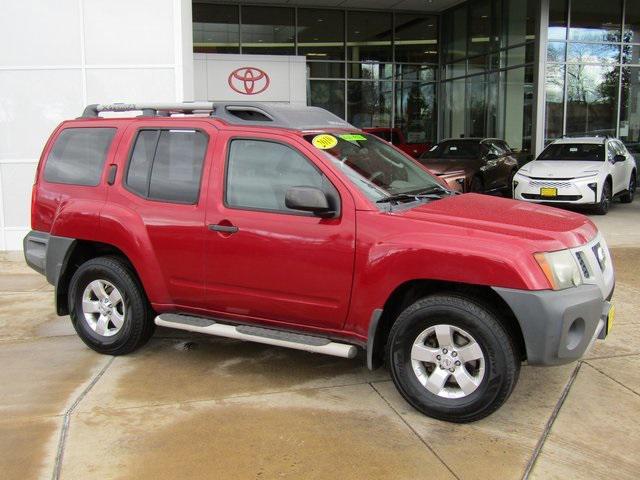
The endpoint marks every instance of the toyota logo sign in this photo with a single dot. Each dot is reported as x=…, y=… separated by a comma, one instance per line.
x=249, y=80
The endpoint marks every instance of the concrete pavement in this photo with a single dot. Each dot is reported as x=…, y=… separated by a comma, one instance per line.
x=195, y=406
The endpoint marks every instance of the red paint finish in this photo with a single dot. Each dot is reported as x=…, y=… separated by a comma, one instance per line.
x=397, y=139
x=304, y=272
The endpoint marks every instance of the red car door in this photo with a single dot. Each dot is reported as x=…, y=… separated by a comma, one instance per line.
x=264, y=261
x=162, y=191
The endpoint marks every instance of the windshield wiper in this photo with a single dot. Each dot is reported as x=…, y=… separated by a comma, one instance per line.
x=437, y=188
x=399, y=197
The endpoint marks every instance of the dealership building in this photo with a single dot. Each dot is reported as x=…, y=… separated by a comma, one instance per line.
x=528, y=71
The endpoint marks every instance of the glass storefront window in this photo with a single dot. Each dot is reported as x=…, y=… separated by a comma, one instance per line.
x=558, y=19
x=556, y=51
x=416, y=111
x=519, y=20
x=554, y=93
x=602, y=53
x=416, y=73
x=416, y=38
x=455, y=29
x=592, y=99
x=632, y=21
x=370, y=71
x=268, y=30
x=631, y=54
x=454, y=109
x=325, y=70
x=216, y=28
x=596, y=21
x=477, y=105
x=327, y=94
x=369, y=103
x=630, y=110
x=518, y=109
x=477, y=65
x=479, y=27
x=321, y=34
x=369, y=37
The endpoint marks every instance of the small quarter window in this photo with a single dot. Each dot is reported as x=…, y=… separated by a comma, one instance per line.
x=78, y=156
x=167, y=165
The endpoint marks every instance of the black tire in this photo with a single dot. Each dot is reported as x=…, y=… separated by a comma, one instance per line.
x=602, y=208
x=631, y=191
x=137, y=326
x=501, y=362
x=477, y=185
x=509, y=189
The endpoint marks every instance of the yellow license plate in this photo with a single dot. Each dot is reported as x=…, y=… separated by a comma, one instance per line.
x=610, y=318
x=548, y=192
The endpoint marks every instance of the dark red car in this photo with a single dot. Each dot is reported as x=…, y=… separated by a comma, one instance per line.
x=396, y=137
x=482, y=165
x=287, y=226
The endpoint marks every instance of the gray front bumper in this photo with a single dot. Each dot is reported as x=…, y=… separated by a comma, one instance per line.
x=558, y=326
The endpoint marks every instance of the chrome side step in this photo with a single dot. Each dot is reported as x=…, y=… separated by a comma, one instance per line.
x=268, y=336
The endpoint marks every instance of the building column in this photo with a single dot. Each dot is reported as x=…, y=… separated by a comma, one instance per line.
x=540, y=72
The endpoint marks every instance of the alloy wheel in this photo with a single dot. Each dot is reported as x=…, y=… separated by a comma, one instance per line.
x=103, y=308
x=448, y=361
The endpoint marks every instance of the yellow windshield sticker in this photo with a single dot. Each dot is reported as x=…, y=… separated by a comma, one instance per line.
x=353, y=137
x=324, y=141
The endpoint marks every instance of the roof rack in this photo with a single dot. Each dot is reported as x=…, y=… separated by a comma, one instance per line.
x=281, y=115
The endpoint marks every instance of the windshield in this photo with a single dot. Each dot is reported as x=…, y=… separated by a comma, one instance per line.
x=455, y=150
x=584, y=152
x=373, y=166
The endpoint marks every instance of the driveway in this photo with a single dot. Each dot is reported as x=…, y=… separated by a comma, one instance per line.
x=196, y=406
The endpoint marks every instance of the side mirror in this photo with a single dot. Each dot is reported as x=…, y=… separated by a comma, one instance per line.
x=308, y=199
x=619, y=158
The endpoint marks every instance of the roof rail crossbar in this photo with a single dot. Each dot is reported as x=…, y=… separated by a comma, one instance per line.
x=148, y=109
x=272, y=114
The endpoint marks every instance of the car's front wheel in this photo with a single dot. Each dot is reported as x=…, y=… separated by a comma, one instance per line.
x=631, y=191
x=452, y=359
x=108, y=308
x=602, y=207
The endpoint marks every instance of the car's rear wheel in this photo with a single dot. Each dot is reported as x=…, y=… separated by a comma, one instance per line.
x=631, y=192
x=108, y=308
x=452, y=359
x=602, y=208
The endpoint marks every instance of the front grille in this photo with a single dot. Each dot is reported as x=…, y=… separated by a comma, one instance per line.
x=562, y=198
x=549, y=184
x=582, y=261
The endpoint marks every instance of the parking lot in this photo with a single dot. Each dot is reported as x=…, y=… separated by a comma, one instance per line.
x=188, y=405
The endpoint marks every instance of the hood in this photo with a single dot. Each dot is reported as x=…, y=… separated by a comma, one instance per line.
x=448, y=166
x=543, y=228
x=559, y=168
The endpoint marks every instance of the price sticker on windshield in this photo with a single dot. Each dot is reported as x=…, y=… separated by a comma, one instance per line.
x=324, y=141
x=353, y=137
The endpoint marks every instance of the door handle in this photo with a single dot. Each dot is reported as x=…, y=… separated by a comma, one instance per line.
x=223, y=228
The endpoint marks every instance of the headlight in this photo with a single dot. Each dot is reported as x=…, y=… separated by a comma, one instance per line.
x=560, y=268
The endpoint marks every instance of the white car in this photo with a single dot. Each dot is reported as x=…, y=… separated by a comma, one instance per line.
x=581, y=171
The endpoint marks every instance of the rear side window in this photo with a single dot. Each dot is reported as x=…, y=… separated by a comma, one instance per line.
x=78, y=156
x=167, y=165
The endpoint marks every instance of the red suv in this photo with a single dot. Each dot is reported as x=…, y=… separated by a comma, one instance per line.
x=287, y=226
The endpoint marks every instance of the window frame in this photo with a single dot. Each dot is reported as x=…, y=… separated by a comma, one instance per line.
x=132, y=147
x=104, y=160
x=336, y=192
